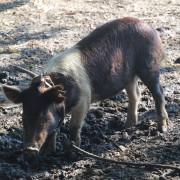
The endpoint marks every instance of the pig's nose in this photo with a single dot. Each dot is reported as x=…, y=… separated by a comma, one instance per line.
x=31, y=149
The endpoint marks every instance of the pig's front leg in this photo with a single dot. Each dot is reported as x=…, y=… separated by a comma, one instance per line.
x=133, y=93
x=50, y=144
x=78, y=115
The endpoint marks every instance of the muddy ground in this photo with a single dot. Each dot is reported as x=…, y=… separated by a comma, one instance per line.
x=31, y=32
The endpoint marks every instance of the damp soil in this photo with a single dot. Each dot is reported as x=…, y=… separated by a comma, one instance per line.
x=31, y=32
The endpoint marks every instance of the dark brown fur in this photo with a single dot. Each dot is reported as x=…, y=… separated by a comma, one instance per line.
x=118, y=50
x=70, y=86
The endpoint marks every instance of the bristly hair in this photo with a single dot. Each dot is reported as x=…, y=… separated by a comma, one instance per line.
x=69, y=63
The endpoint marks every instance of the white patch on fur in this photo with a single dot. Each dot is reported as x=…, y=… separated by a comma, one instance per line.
x=69, y=63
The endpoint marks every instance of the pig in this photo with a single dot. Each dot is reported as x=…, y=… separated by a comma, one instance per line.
x=111, y=58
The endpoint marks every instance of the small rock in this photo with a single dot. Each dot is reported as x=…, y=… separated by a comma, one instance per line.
x=15, y=56
x=176, y=92
x=122, y=148
x=3, y=75
x=177, y=61
x=46, y=174
x=161, y=29
x=47, y=35
x=3, y=81
x=4, y=111
x=125, y=135
x=11, y=78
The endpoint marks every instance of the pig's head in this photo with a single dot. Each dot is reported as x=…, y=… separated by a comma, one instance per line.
x=43, y=108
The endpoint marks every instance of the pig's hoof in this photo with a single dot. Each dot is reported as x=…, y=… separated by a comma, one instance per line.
x=163, y=129
x=162, y=126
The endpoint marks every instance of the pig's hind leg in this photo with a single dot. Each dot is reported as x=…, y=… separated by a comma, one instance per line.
x=151, y=80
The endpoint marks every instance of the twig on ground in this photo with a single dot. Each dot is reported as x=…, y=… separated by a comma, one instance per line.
x=164, y=166
x=20, y=69
x=10, y=106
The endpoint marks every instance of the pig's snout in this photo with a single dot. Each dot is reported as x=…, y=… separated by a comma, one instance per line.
x=31, y=149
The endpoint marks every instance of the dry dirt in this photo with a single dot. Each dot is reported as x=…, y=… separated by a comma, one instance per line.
x=31, y=32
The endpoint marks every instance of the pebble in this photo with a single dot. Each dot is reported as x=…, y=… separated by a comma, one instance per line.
x=15, y=56
x=177, y=61
x=3, y=75
x=176, y=92
x=125, y=134
x=3, y=81
x=47, y=35
x=161, y=29
x=6, y=79
x=46, y=174
x=122, y=148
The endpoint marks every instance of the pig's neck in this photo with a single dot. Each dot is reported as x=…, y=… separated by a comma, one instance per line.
x=70, y=86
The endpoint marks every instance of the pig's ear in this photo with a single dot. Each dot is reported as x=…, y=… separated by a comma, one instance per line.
x=55, y=94
x=13, y=93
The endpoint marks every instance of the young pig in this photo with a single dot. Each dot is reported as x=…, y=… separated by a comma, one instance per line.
x=111, y=58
